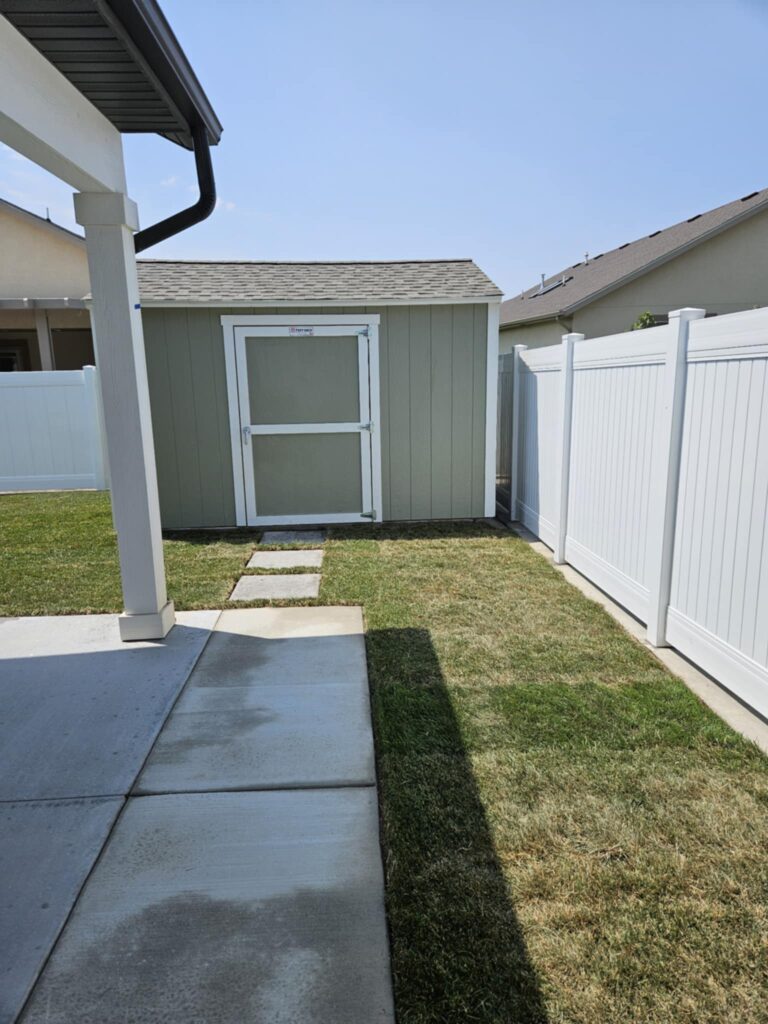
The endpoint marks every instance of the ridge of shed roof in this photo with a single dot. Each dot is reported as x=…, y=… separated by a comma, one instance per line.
x=581, y=283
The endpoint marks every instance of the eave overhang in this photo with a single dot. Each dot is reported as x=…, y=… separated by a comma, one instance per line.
x=124, y=58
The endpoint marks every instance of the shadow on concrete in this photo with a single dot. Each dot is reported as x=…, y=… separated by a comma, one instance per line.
x=458, y=948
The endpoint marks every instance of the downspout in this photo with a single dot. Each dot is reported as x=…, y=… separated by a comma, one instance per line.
x=203, y=208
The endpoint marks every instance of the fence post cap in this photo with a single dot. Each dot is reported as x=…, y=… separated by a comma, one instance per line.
x=687, y=313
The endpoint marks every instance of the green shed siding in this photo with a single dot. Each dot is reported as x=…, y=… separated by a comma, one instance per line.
x=433, y=378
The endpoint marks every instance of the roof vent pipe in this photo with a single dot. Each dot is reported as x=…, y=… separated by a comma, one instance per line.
x=541, y=286
x=203, y=208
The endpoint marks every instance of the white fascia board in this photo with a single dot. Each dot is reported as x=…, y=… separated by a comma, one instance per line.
x=311, y=303
x=45, y=118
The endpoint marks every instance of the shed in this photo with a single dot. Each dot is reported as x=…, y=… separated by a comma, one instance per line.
x=301, y=393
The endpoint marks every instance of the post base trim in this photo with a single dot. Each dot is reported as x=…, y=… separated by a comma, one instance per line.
x=149, y=626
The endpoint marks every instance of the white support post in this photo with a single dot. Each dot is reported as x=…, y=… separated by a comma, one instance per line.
x=666, y=474
x=109, y=220
x=44, y=344
x=563, y=476
x=93, y=404
x=516, y=427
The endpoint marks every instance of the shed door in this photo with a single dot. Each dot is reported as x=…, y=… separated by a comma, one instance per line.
x=304, y=398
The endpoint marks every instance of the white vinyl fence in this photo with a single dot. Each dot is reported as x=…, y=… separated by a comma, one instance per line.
x=642, y=460
x=51, y=435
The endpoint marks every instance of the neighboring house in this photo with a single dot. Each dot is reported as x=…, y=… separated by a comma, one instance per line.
x=44, y=323
x=717, y=261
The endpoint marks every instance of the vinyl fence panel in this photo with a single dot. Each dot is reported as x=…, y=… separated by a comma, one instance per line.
x=718, y=609
x=615, y=409
x=504, y=436
x=539, y=420
x=50, y=431
x=665, y=468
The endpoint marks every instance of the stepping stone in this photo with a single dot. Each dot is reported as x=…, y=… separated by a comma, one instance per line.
x=272, y=588
x=47, y=851
x=293, y=537
x=229, y=907
x=286, y=559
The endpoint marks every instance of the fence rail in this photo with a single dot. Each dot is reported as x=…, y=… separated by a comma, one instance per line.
x=642, y=460
x=51, y=430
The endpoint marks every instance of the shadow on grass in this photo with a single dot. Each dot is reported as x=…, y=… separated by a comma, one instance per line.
x=458, y=949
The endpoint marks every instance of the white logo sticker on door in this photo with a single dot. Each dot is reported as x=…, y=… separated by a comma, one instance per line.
x=304, y=331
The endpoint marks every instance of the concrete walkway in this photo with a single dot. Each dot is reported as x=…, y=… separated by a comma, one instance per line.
x=242, y=880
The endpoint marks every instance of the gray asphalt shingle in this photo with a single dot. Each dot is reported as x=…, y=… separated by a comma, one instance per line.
x=585, y=280
x=199, y=282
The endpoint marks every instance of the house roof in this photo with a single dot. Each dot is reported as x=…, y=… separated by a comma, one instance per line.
x=192, y=282
x=35, y=218
x=122, y=56
x=584, y=282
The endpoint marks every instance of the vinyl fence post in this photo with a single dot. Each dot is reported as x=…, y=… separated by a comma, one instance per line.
x=665, y=474
x=563, y=476
x=516, y=422
x=98, y=444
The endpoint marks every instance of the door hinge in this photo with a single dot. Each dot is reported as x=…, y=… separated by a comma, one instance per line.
x=246, y=434
x=368, y=515
x=366, y=426
x=363, y=332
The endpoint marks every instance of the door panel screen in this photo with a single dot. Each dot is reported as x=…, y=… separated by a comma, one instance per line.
x=307, y=474
x=303, y=380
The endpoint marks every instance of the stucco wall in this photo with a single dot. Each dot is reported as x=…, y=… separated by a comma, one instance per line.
x=433, y=380
x=37, y=261
x=532, y=335
x=726, y=274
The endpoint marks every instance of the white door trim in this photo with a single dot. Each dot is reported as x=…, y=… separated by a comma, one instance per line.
x=276, y=325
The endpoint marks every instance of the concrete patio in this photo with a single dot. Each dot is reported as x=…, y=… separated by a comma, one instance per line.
x=237, y=867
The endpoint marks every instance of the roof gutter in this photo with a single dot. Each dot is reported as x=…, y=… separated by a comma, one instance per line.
x=194, y=214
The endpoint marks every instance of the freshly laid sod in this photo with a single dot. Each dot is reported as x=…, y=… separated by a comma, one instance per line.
x=569, y=835
x=58, y=556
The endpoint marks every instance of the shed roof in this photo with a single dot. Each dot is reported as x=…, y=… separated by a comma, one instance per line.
x=192, y=282
x=577, y=285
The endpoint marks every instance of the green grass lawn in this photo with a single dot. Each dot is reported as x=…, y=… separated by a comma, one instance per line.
x=569, y=835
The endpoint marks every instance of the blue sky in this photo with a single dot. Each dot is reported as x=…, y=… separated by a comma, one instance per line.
x=521, y=134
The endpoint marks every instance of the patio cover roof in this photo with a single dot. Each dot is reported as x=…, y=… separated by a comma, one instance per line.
x=122, y=56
